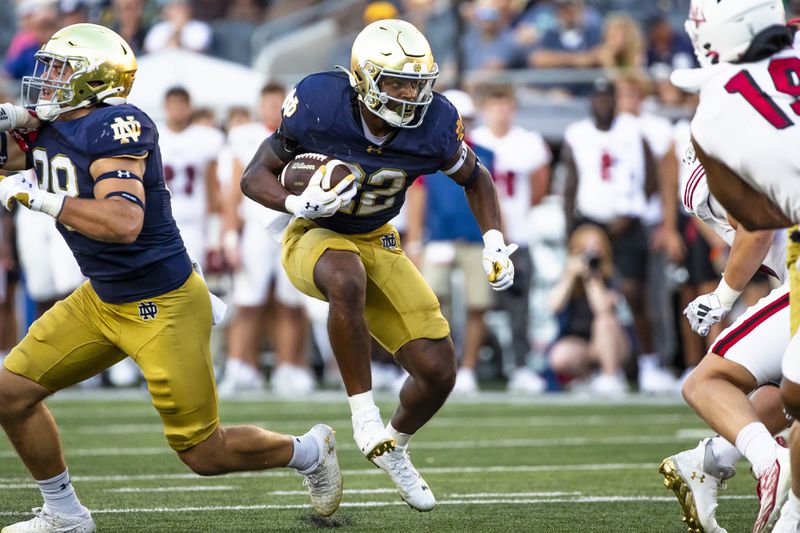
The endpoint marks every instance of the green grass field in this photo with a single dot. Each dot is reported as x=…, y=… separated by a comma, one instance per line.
x=555, y=464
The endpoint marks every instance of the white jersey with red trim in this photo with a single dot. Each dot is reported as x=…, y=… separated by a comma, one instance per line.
x=611, y=168
x=517, y=155
x=698, y=201
x=186, y=156
x=244, y=141
x=749, y=118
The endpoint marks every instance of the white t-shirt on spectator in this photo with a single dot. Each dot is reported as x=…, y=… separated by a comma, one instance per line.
x=611, y=169
x=517, y=155
x=195, y=36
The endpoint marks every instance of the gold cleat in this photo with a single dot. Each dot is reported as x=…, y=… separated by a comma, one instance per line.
x=382, y=448
x=674, y=482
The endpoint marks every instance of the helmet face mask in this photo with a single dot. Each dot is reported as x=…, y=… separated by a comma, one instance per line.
x=397, y=111
x=81, y=65
x=388, y=57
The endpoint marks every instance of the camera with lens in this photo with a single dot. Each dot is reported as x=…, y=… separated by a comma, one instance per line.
x=593, y=262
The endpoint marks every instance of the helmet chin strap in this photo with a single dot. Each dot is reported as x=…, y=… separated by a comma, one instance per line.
x=50, y=111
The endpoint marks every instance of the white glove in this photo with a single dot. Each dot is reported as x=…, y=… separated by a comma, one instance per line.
x=315, y=202
x=24, y=188
x=708, y=309
x=14, y=117
x=496, y=261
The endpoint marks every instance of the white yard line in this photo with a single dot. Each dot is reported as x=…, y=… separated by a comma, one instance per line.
x=434, y=445
x=463, y=501
x=183, y=488
x=591, y=467
x=441, y=421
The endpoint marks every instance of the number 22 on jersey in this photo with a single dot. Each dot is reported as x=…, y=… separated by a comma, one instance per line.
x=785, y=73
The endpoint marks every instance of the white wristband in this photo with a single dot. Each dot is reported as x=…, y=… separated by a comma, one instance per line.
x=494, y=239
x=727, y=296
x=47, y=202
x=291, y=204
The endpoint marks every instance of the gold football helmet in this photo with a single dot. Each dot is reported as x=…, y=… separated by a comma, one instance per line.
x=81, y=65
x=393, y=49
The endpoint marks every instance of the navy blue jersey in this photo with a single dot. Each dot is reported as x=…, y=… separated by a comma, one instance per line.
x=156, y=262
x=321, y=116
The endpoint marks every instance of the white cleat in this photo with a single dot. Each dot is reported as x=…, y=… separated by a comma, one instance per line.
x=772, y=490
x=370, y=434
x=325, y=481
x=695, y=477
x=45, y=521
x=413, y=489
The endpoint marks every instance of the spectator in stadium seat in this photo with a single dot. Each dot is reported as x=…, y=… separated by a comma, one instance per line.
x=592, y=336
x=571, y=43
x=72, y=12
x=666, y=51
x=129, y=22
x=490, y=43
x=178, y=29
x=438, y=215
x=37, y=22
x=623, y=44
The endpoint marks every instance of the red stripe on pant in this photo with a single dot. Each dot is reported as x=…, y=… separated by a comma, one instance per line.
x=725, y=343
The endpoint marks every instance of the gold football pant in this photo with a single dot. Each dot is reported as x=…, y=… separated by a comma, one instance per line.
x=400, y=306
x=792, y=255
x=167, y=336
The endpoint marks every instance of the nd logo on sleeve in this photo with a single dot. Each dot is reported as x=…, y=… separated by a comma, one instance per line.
x=126, y=130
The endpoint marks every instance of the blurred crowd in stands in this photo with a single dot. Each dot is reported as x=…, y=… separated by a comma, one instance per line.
x=607, y=260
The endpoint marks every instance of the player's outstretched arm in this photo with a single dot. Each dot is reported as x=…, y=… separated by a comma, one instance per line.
x=466, y=170
x=479, y=188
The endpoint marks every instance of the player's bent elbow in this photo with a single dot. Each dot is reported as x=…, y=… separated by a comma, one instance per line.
x=127, y=229
x=246, y=184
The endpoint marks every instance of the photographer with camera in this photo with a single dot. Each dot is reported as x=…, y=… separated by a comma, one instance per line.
x=592, y=342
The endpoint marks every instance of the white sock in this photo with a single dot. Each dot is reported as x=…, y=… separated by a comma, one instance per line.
x=793, y=506
x=361, y=402
x=401, y=438
x=59, y=495
x=305, y=455
x=756, y=443
x=725, y=453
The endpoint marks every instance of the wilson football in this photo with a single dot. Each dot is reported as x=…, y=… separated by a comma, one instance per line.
x=297, y=172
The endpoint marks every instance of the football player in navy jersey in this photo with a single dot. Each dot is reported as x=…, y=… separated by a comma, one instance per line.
x=96, y=169
x=383, y=119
